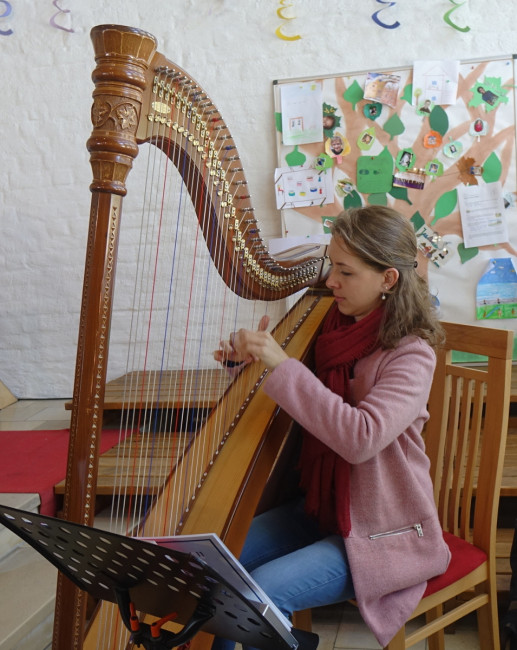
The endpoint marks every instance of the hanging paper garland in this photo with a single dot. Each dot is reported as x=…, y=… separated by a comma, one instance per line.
x=59, y=11
x=280, y=14
x=379, y=22
x=449, y=21
x=7, y=12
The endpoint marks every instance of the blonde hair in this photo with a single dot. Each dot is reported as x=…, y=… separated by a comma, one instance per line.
x=383, y=239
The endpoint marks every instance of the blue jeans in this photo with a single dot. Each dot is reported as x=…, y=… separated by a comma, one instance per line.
x=296, y=566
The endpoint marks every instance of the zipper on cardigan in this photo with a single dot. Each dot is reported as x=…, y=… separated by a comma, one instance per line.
x=399, y=531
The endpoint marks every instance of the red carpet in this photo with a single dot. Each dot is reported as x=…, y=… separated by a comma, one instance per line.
x=34, y=461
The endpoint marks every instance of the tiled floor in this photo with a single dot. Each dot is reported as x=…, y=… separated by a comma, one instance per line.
x=339, y=626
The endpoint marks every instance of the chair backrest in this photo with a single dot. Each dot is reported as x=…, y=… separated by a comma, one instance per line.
x=466, y=432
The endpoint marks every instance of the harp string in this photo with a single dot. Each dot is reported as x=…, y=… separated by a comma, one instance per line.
x=143, y=450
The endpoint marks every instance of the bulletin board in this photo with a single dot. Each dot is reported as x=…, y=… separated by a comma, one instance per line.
x=436, y=141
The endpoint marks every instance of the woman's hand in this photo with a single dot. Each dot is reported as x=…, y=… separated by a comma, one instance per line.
x=246, y=346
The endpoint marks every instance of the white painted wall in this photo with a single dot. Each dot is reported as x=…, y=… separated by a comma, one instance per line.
x=231, y=49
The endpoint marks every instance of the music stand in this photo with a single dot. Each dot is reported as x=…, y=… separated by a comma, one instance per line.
x=139, y=575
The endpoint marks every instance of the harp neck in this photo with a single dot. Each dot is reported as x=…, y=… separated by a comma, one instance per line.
x=140, y=97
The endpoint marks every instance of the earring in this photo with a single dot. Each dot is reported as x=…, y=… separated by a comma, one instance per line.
x=383, y=294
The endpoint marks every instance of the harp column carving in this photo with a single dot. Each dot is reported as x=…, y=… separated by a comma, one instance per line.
x=123, y=56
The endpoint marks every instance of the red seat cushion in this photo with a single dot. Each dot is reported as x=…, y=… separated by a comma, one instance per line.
x=464, y=558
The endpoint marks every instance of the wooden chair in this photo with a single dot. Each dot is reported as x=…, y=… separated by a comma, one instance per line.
x=465, y=440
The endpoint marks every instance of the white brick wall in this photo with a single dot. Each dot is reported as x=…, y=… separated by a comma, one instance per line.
x=231, y=49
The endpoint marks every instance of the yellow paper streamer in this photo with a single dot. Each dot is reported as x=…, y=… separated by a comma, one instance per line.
x=280, y=14
x=278, y=32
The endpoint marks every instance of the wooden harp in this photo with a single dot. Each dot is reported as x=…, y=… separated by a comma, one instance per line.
x=216, y=472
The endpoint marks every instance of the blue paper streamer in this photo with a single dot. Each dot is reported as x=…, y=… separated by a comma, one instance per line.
x=7, y=12
x=376, y=14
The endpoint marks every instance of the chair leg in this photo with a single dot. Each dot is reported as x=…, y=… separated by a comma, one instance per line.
x=303, y=620
x=488, y=625
x=399, y=640
x=435, y=641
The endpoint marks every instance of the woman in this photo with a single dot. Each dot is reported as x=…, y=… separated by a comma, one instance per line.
x=367, y=526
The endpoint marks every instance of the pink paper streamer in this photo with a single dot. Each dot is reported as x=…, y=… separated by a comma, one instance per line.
x=59, y=11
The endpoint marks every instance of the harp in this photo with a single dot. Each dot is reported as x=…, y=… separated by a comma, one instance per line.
x=215, y=472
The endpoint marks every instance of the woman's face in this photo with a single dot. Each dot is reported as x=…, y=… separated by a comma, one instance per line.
x=357, y=287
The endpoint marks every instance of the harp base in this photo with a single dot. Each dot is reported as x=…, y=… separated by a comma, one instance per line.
x=152, y=636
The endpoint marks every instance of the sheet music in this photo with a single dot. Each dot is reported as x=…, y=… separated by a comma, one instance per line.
x=211, y=550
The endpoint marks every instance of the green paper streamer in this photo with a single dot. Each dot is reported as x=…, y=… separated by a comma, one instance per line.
x=449, y=21
x=445, y=205
x=492, y=168
x=466, y=254
x=354, y=94
x=438, y=120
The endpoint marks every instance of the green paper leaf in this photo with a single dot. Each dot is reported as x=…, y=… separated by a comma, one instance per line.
x=372, y=111
x=394, y=126
x=445, y=205
x=375, y=173
x=400, y=193
x=492, y=168
x=377, y=199
x=352, y=200
x=278, y=122
x=418, y=221
x=438, y=120
x=295, y=157
x=408, y=93
x=467, y=254
x=490, y=93
x=353, y=94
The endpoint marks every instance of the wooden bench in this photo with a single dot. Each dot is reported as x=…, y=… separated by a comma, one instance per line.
x=125, y=469
x=198, y=388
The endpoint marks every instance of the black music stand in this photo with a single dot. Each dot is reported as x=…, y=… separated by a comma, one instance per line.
x=141, y=576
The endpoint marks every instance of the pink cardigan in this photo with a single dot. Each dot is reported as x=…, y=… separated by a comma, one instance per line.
x=396, y=541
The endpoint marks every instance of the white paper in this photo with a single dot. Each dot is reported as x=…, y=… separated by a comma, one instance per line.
x=293, y=248
x=482, y=214
x=302, y=113
x=302, y=187
x=436, y=81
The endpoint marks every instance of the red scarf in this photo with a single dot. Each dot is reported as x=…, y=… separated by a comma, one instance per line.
x=324, y=475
